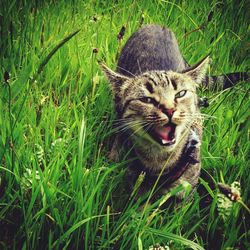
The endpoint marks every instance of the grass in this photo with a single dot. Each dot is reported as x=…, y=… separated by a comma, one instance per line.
x=57, y=188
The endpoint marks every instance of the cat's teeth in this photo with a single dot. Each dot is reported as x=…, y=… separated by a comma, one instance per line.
x=167, y=142
x=164, y=141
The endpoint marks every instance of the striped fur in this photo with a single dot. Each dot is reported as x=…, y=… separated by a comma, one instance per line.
x=157, y=106
x=155, y=48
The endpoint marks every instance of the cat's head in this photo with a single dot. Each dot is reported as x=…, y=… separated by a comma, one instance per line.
x=158, y=106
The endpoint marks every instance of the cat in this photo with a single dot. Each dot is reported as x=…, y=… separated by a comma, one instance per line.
x=160, y=123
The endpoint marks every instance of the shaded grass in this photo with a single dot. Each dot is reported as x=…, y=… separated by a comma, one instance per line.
x=57, y=187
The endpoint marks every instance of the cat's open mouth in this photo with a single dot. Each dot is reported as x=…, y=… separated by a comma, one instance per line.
x=165, y=135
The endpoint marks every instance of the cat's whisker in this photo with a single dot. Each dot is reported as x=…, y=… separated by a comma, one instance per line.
x=156, y=121
x=207, y=115
x=217, y=96
x=126, y=122
x=123, y=120
x=127, y=125
x=121, y=125
x=130, y=125
x=138, y=129
x=199, y=116
x=126, y=70
x=191, y=118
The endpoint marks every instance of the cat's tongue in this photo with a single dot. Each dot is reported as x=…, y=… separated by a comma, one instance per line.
x=166, y=133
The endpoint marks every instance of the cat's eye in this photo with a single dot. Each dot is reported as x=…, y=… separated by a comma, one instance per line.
x=149, y=100
x=180, y=94
x=146, y=99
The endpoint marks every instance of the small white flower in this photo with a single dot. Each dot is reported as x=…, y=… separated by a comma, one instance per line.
x=158, y=247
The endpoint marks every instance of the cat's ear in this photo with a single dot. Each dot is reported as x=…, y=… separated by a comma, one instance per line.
x=115, y=79
x=199, y=70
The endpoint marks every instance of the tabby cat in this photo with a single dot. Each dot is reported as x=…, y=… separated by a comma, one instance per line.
x=158, y=108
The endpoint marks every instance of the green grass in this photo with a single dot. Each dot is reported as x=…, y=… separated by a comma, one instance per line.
x=57, y=188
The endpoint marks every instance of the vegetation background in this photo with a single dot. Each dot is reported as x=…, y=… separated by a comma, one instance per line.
x=57, y=188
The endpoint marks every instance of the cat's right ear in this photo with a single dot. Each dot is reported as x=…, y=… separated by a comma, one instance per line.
x=115, y=79
x=198, y=71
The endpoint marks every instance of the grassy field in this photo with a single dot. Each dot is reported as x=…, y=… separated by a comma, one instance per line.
x=58, y=190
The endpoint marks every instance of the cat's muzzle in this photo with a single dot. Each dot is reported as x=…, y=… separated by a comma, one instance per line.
x=163, y=134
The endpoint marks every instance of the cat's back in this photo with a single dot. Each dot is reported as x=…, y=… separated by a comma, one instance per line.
x=150, y=48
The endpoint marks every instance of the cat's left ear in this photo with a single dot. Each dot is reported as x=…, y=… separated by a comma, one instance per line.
x=199, y=70
x=115, y=79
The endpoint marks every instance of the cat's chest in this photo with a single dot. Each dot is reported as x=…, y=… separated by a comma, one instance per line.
x=155, y=159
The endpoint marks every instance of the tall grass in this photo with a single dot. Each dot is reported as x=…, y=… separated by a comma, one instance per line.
x=57, y=187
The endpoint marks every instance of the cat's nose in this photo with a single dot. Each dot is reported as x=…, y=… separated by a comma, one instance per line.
x=169, y=112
